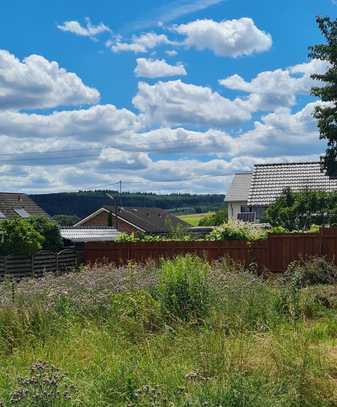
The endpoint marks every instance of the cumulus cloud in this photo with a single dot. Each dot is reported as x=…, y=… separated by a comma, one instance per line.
x=228, y=38
x=36, y=82
x=282, y=133
x=184, y=123
x=177, y=103
x=112, y=158
x=171, y=53
x=158, y=68
x=270, y=90
x=178, y=140
x=100, y=122
x=89, y=30
x=139, y=43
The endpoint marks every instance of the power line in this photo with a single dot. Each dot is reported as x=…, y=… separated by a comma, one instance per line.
x=16, y=158
x=55, y=151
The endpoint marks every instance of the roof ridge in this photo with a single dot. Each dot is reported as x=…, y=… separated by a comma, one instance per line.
x=289, y=163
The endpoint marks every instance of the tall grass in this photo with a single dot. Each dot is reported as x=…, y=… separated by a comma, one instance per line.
x=184, y=333
x=183, y=289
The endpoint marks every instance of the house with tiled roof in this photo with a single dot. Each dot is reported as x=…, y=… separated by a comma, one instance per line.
x=18, y=205
x=251, y=193
x=133, y=220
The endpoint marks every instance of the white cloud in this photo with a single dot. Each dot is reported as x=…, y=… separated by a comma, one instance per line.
x=138, y=44
x=36, y=82
x=228, y=38
x=89, y=30
x=270, y=90
x=282, y=133
x=177, y=103
x=92, y=147
x=112, y=158
x=157, y=68
x=171, y=53
x=100, y=122
x=174, y=10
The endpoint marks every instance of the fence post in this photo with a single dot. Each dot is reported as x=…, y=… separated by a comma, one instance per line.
x=32, y=264
x=57, y=263
x=5, y=266
x=13, y=290
x=321, y=236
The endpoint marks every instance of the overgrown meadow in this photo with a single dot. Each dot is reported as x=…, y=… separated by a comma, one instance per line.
x=182, y=333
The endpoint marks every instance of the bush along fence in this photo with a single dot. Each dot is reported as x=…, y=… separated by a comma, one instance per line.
x=18, y=267
x=273, y=254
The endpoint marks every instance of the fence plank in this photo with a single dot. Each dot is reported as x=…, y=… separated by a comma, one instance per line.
x=18, y=267
x=274, y=253
x=66, y=260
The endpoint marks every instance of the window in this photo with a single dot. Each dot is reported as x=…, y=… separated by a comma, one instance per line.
x=2, y=215
x=22, y=212
x=244, y=209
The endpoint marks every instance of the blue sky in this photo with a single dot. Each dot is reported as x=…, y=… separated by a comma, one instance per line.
x=169, y=96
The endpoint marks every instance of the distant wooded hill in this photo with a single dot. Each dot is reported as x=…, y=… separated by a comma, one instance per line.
x=83, y=203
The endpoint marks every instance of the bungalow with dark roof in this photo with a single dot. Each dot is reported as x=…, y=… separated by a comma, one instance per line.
x=251, y=193
x=134, y=220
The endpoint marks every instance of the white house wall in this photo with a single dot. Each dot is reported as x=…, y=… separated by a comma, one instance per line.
x=234, y=208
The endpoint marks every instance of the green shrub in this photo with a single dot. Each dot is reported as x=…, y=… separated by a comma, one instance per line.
x=183, y=288
x=127, y=237
x=215, y=219
x=20, y=238
x=236, y=230
x=314, y=271
x=278, y=229
x=142, y=237
x=49, y=230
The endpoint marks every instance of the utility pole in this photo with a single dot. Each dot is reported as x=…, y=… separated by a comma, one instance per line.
x=120, y=193
x=117, y=201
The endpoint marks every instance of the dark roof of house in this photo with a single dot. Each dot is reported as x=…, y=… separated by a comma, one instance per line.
x=239, y=189
x=18, y=205
x=269, y=181
x=151, y=220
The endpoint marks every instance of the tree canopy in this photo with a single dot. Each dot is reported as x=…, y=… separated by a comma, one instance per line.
x=326, y=112
x=49, y=229
x=27, y=236
x=301, y=210
x=19, y=237
x=215, y=219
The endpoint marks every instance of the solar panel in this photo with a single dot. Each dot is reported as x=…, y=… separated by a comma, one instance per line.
x=22, y=212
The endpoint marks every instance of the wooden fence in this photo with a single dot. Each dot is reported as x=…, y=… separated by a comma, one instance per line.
x=18, y=267
x=273, y=254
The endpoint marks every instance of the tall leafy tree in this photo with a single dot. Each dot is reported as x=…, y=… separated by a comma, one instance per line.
x=300, y=210
x=326, y=113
